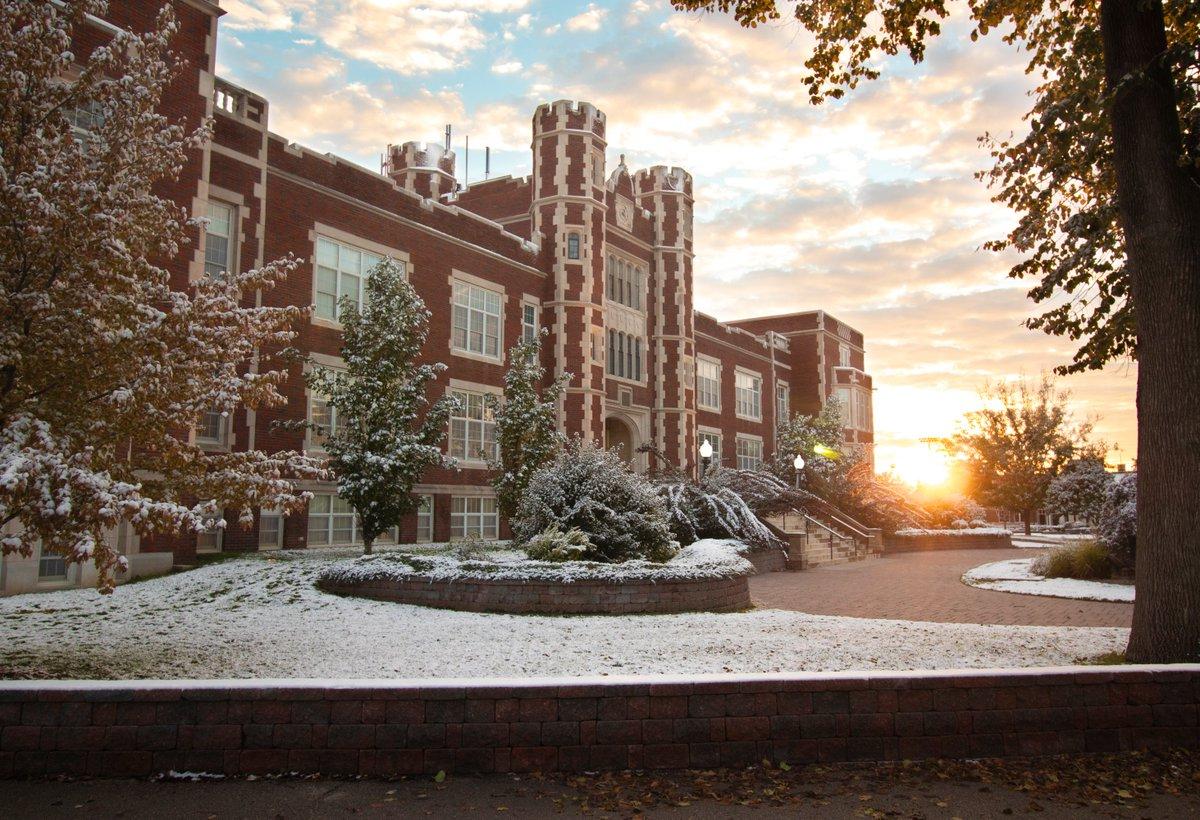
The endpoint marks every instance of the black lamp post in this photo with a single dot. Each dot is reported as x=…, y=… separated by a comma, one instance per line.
x=706, y=453
x=798, y=463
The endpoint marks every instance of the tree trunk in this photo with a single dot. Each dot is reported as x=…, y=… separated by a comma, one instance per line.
x=1028, y=516
x=1159, y=205
x=368, y=545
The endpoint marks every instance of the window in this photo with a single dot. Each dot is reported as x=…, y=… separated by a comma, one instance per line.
x=51, y=566
x=715, y=440
x=572, y=246
x=211, y=539
x=529, y=322
x=708, y=384
x=476, y=320
x=474, y=515
x=749, y=395
x=749, y=453
x=846, y=405
x=624, y=355
x=85, y=120
x=333, y=522
x=341, y=270
x=425, y=520
x=325, y=420
x=624, y=282
x=218, y=239
x=782, y=410
x=472, y=428
x=211, y=428
x=862, y=408
x=270, y=529
x=126, y=538
x=843, y=355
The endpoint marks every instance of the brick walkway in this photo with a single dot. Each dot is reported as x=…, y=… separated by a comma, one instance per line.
x=926, y=586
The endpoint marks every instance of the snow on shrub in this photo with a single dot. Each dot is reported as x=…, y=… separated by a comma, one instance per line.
x=556, y=545
x=710, y=559
x=592, y=489
x=700, y=511
x=1117, y=525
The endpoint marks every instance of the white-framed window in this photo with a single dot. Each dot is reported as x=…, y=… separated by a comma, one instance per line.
x=708, y=384
x=749, y=453
x=270, y=529
x=474, y=515
x=126, y=538
x=572, y=246
x=715, y=440
x=425, y=520
x=333, y=522
x=212, y=428
x=85, y=119
x=341, y=271
x=748, y=395
x=51, y=566
x=845, y=397
x=472, y=428
x=325, y=419
x=624, y=355
x=529, y=322
x=862, y=406
x=624, y=282
x=782, y=402
x=211, y=539
x=476, y=327
x=219, y=238
x=843, y=355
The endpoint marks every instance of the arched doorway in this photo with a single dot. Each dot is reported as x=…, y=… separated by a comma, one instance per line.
x=618, y=434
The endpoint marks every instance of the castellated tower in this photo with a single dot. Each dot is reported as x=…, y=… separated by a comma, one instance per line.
x=568, y=213
x=667, y=194
x=426, y=169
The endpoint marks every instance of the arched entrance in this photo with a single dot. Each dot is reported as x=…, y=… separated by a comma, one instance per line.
x=618, y=434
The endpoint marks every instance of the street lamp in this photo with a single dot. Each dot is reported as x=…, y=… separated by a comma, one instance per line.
x=706, y=451
x=798, y=463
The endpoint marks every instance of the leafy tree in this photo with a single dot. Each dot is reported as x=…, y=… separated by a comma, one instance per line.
x=1014, y=447
x=1118, y=525
x=103, y=366
x=1107, y=186
x=387, y=433
x=527, y=435
x=1080, y=490
x=814, y=437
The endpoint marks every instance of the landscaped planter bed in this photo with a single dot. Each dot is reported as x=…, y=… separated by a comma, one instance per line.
x=990, y=538
x=708, y=576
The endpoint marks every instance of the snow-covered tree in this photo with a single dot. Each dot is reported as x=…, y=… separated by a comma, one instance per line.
x=592, y=489
x=527, y=435
x=815, y=437
x=104, y=369
x=388, y=432
x=1080, y=489
x=1116, y=527
x=706, y=511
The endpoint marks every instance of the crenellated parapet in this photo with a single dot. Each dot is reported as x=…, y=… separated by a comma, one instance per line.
x=425, y=168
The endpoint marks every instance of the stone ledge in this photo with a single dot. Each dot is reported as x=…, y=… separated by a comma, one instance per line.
x=926, y=543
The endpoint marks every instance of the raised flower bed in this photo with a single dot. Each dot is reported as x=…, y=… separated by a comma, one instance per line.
x=921, y=540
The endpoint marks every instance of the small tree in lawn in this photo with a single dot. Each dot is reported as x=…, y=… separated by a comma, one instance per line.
x=1080, y=490
x=1016, y=446
x=527, y=434
x=387, y=432
x=102, y=364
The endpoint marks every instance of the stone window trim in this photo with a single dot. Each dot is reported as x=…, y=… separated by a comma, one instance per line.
x=46, y=560
x=425, y=518
x=470, y=462
x=221, y=196
x=223, y=444
x=744, y=371
x=461, y=277
x=748, y=439
x=625, y=273
x=321, y=230
x=270, y=528
x=700, y=394
x=529, y=301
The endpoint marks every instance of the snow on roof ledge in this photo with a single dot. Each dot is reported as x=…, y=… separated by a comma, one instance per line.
x=930, y=675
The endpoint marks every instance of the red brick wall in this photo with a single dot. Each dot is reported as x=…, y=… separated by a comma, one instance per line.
x=925, y=543
x=122, y=729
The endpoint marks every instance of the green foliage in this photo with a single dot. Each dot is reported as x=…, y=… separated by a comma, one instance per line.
x=1079, y=490
x=1018, y=442
x=808, y=436
x=527, y=434
x=1087, y=560
x=555, y=545
x=387, y=432
x=471, y=547
x=592, y=489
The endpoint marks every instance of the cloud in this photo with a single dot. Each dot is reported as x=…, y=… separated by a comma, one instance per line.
x=508, y=67
x=590, y=20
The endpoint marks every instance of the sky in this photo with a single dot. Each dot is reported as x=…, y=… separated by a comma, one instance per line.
x=866, y=207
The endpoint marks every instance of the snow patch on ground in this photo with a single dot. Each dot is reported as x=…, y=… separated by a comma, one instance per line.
x=262, y=616
x=914, y=532
x=1017, y=575
x=711, y=558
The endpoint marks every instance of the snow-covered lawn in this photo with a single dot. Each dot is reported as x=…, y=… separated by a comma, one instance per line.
x=1017, y=575
x=261, y=616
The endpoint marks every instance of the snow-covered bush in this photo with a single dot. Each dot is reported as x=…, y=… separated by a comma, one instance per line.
x=761, y=491
x=1116, y=527
x=556, y=545
x=1080, y=489
x=701, y=511
x=951, y=513
x=592, y=489
x=978, y=523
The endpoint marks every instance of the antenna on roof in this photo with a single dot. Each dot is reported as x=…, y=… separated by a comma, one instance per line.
x=487, y=162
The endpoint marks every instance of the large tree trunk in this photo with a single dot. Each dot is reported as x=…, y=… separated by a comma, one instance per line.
x=368, y=545
x=1160, y=214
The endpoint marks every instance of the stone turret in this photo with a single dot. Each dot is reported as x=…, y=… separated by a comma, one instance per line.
x=424, y=168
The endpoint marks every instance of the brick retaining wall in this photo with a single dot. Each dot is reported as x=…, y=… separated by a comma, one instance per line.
x=922, y=543
x=768, y=560
x=582, y=597
x=379, y=728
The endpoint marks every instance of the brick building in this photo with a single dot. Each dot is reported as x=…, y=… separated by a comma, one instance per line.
x=599, y=254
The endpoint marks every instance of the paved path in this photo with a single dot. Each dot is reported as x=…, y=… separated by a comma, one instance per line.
x=926, y=586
